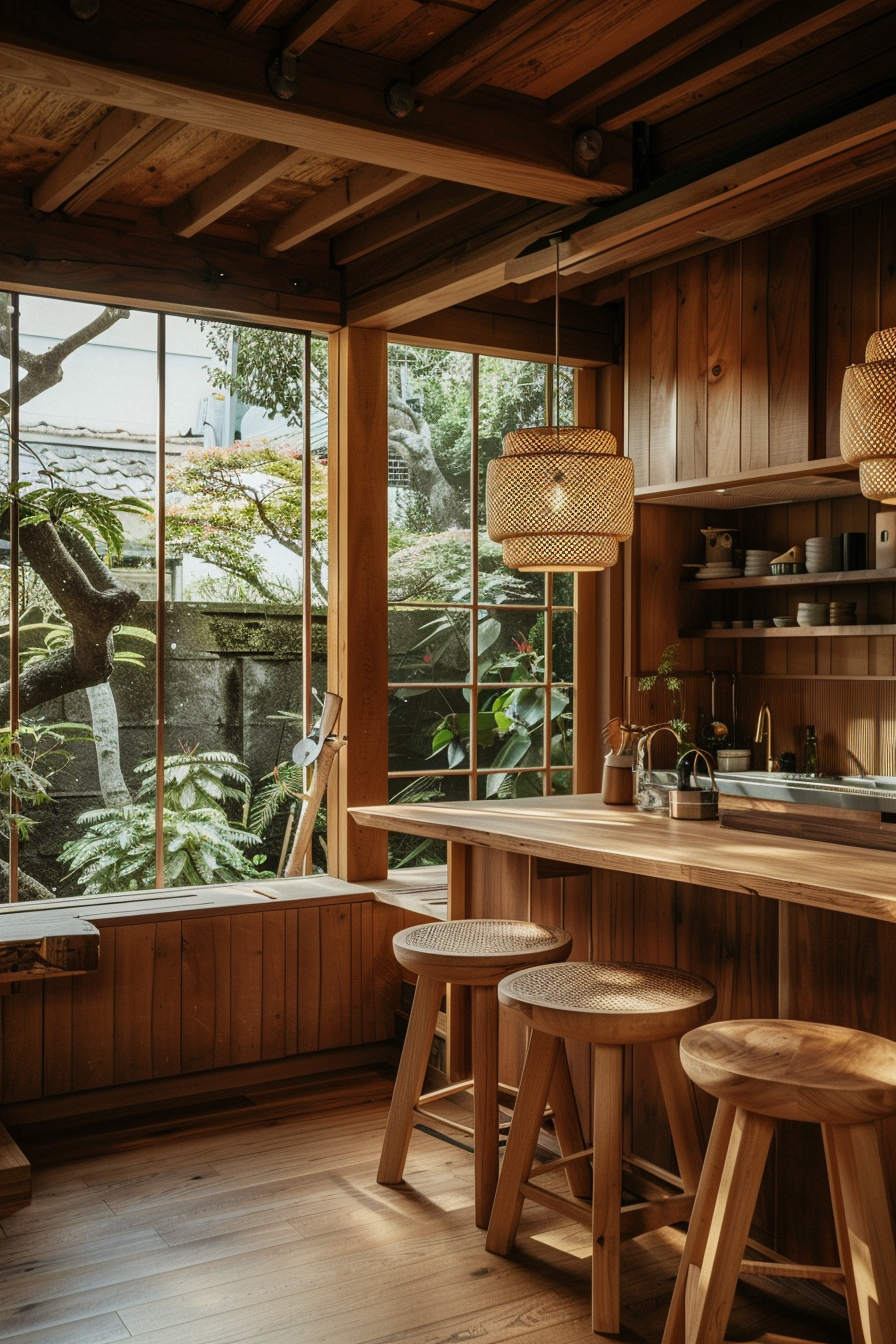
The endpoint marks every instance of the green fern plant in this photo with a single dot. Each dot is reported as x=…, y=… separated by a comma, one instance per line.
x=201, y=844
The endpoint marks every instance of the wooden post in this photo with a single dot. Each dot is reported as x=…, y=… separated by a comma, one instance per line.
x=358, y=636
x=599, y=600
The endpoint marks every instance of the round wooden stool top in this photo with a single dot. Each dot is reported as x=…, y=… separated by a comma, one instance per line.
x=478, y=951
x=795, y=1070
x=608, y=1002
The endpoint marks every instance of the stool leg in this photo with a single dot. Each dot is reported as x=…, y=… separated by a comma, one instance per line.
x=409, y=1080
x=522, y=1141
x=700, y=1220
x=681, y=1109
x=485, y=1099
x=607, y=1188
x=568, y=1126
x=864, y=1230
x=709, y=1289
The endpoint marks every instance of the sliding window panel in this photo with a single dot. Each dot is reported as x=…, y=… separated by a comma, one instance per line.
x=87, y=467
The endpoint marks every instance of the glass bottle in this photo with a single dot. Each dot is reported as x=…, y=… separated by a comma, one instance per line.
x=811, y=750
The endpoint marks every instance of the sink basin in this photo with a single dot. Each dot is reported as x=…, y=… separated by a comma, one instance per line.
x=872, y=793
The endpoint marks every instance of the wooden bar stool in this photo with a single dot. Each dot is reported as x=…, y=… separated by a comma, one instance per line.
x=476, y=952
x=610, y=1004
x=762, y=1071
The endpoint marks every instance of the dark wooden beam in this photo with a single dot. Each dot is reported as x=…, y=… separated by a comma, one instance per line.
x=245, y=16
x=116, y=133
x=647, y=58
x=137, y=264
x=399, y=221
x=762, y=38
x=455, y=63
x=490, y=326
x=313, y=23
x=177, y=61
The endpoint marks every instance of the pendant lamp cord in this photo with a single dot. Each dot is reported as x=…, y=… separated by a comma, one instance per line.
x=557, y=333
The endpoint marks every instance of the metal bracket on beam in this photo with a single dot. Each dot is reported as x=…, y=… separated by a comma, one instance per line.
x=587, y=146
x=84, y=10
x=283, y=75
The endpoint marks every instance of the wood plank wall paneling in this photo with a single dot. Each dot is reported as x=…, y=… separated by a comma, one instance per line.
x=187, y=996
x=720, y=359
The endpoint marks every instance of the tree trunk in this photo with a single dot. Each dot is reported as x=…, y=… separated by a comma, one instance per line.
x=104, y=714
x=29, y=887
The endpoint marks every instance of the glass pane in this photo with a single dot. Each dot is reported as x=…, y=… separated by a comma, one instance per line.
x=511, y=646
x=511, y=396
x=87, y=453
x=429, y=729
x=430, y=418
x=564, y=590
x=414, y=851
x=234, y=680
x=429, y=644
x=510, y=730
x=521, y=784
x=562, y=628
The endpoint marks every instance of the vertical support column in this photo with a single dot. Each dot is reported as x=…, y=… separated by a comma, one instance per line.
x=599, y=670
x=358, y=637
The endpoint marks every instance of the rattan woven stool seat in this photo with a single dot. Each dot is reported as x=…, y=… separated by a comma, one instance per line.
x=609, y=1002
x=763, y=1071
x=611, y=1005
x=795, y=1070
x=478, y=951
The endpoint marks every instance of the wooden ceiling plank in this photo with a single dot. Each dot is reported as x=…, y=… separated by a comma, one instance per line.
x=114, y=135
x=449, y=65
x=755, y=40
x=430, y=207
x=246, y=16
x=191, y=68
x=314, y=22
x=361, y=188
x=644, y=60
x=226, y=189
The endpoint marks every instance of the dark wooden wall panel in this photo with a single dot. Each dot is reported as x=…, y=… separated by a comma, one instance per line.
x=723, y=359
x=663, y=375
x=790, y=314
x=754, y=355
x=692, y=369
x=637, y=420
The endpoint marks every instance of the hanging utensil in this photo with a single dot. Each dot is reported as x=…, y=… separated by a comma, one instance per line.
x=714, y=732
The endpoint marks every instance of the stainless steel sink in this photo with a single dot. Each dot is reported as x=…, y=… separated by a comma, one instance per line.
x=872, y=793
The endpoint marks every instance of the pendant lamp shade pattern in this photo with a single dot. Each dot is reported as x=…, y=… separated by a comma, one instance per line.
x=868, y=417
x=560, y=499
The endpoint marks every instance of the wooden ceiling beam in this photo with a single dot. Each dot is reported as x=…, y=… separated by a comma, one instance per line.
x=120, y=167
x=399, y=221
x=190, y=68
x=135, y=263
x=768, y=188
x=363, y=187
x=454, y=64
x=115, y=134
x=758, y=39
x=462, y=272
x=647, y=58
x=246, y=16
x=511, y=330
x=313, y=23
x=226, y=189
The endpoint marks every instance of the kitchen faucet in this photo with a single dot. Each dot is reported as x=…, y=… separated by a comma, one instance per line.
x=765, y=714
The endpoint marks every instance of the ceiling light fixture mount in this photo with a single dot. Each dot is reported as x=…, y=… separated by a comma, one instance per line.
x=283, y=76
x=561, y=497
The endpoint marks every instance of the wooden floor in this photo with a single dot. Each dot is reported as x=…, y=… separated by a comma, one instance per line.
x=277, y=1231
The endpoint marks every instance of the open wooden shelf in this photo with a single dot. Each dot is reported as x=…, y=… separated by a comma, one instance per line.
x=789, y=631
x=837, y=576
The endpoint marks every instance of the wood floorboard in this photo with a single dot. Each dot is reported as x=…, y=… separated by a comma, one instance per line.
x=278, y=1233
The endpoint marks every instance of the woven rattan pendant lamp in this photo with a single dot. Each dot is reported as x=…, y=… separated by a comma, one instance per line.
x=560, y=498
x=868, y=417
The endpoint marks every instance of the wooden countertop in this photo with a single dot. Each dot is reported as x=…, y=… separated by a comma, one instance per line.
x=582, y=830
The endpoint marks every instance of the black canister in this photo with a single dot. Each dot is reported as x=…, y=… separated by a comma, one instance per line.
x=855, y=550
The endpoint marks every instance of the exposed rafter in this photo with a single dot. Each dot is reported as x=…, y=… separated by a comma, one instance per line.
x=245, y=16
x=455, y=63
x=361, y=188
x=313, y=23
x=115, y=134
x=234, y=183
x=430, y=207
x=191, y=69
x=138, y=153
x=756, y=40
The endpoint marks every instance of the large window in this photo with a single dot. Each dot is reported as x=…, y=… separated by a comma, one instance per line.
x=163, y=556
x=480, y=656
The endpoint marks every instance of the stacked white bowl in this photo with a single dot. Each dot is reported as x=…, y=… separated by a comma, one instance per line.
x=812, y=613
x=756, y=563
x=718, y=569
x=819, y=555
